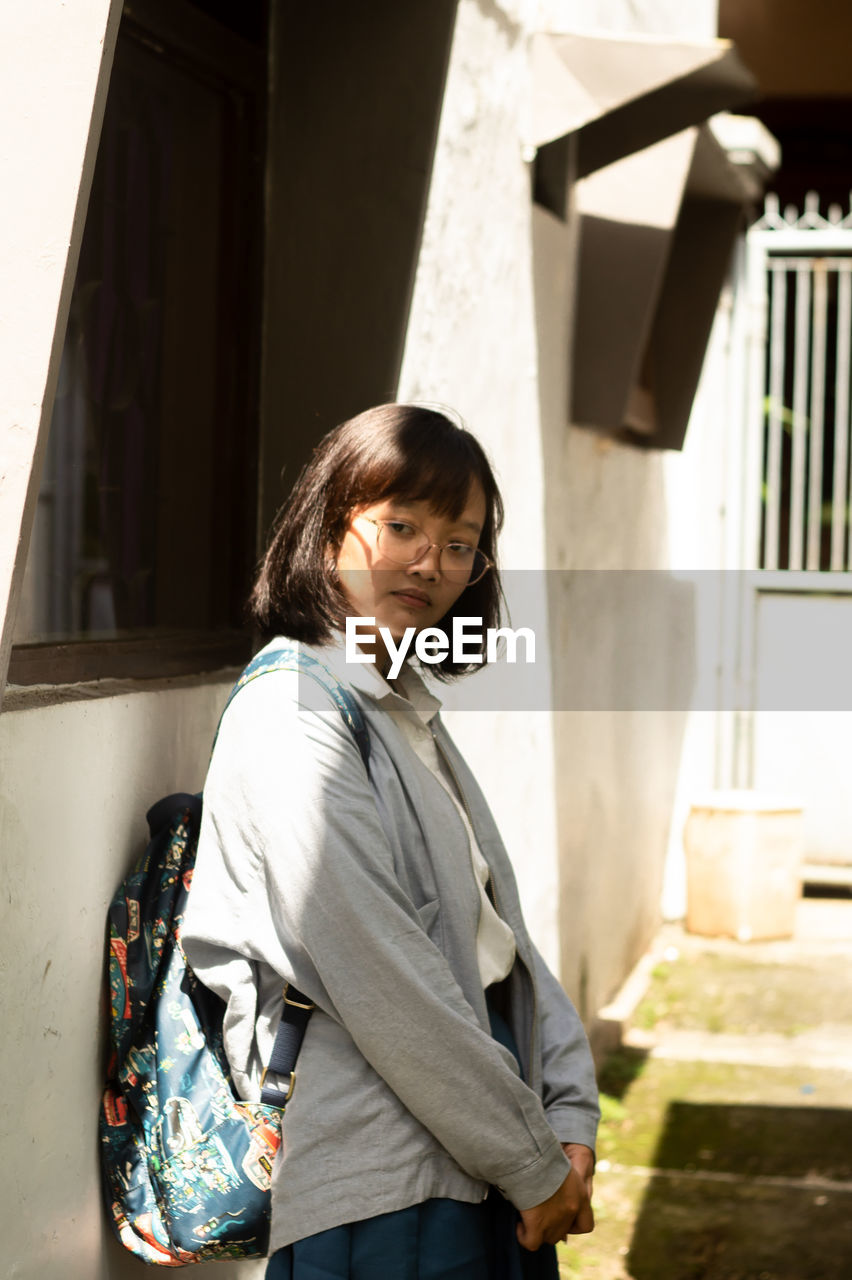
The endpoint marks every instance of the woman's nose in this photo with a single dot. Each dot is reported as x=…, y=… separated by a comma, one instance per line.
x=429, y=564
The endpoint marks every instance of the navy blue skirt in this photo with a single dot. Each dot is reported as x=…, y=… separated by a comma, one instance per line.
x=435, y=1240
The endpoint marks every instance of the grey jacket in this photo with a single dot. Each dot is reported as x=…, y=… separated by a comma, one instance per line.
x=360, y=890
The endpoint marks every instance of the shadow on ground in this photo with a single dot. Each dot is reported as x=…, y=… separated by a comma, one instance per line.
x=747, y=1193
x=725, y=1149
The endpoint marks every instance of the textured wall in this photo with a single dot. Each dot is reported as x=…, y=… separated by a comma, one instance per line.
x=471, y=344
x=77, y=781
x=692, y=19
x=584, y=799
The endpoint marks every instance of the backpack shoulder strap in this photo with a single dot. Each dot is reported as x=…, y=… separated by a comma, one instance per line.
x=291, y=659
x=297, y=1007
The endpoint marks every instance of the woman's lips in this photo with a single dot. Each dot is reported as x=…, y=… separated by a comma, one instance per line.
x=414, y=599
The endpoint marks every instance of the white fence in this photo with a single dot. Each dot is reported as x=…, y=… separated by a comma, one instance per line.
x=805, y=496
x=792, y=616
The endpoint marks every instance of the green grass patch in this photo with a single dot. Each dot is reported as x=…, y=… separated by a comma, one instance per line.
x=729, y=991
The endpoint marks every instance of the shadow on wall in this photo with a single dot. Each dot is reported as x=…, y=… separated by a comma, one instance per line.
x=628, y=669
x=747, y=1191
x=623, y=643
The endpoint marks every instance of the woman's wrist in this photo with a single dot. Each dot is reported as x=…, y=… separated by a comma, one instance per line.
x=582, y=1158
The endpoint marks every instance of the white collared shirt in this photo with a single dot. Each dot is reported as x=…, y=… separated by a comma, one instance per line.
x=412, y=707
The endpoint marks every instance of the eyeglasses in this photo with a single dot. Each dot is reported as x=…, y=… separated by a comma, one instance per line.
x=405, y=544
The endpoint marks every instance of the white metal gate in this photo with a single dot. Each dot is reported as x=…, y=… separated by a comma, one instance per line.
x=793, y=592
x=805, y=481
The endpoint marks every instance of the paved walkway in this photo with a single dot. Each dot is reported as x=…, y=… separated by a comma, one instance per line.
x=726, y=1147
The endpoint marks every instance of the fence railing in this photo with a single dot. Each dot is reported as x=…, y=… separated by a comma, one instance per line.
x=805, y=499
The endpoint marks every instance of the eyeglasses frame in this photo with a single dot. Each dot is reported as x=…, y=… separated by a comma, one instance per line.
x=489, y=563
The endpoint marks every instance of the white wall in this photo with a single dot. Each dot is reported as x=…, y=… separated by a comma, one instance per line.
x=803, y=724
x=581, y=799
x=77, y=779
x=691, y=19
x=584, y=799
x=471, y=345
x=625, y=508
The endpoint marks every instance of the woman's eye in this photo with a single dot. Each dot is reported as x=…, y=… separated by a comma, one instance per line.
x=461, y=549
x=399, y=528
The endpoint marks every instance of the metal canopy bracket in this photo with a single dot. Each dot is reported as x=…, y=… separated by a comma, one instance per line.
x=656, y=234
x=623, y=94
x=660, y=199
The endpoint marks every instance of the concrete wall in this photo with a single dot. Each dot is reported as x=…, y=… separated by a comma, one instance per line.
x=633, y=774
x=471, y=345
x=803, y=725
x=697, y=488
x=347, y=181
x=691, y=19
x=78, y=778
x=584, y=799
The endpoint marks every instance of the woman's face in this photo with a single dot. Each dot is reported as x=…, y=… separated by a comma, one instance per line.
x=398, y=595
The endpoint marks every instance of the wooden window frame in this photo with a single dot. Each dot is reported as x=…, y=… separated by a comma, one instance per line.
x=148, y=655
x=192, y=39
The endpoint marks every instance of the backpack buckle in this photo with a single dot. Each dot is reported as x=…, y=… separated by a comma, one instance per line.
x=297, y=1004
x=288, y=1095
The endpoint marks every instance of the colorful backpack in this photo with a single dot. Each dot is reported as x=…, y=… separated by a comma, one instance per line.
x=186, y=1164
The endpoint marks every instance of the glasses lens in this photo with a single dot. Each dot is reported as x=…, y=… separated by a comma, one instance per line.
x=401, y=542
x=463, y=564
x=405, y=543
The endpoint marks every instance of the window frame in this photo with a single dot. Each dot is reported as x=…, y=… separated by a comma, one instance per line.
x=192, y=40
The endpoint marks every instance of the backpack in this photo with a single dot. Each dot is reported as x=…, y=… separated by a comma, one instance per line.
x=186, y=1164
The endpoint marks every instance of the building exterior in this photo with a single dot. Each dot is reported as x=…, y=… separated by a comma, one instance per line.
x=429, y=200
x=799, y=254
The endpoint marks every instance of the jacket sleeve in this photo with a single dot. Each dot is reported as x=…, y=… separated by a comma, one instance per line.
x=570, y=1090
x=312, y=891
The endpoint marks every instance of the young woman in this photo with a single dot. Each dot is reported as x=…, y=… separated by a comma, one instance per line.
x=443, y=1122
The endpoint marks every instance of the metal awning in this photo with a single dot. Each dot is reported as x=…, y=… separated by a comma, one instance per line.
x=656, y=231
x=621, y=94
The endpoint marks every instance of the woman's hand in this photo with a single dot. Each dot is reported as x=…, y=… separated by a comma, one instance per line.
x=583, y=1160
x=569, y=1209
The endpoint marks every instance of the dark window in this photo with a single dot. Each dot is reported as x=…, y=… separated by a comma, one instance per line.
x=248, y=18
x=146, y=518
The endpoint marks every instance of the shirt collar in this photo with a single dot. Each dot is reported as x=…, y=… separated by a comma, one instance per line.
x=368, y=679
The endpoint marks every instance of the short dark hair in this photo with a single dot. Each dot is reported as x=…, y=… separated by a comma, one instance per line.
x=408, y=452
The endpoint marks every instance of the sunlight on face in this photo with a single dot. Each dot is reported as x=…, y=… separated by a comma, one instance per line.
x=399, y=595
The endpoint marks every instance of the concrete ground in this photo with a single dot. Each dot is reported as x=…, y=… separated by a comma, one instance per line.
x=726, y=1145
